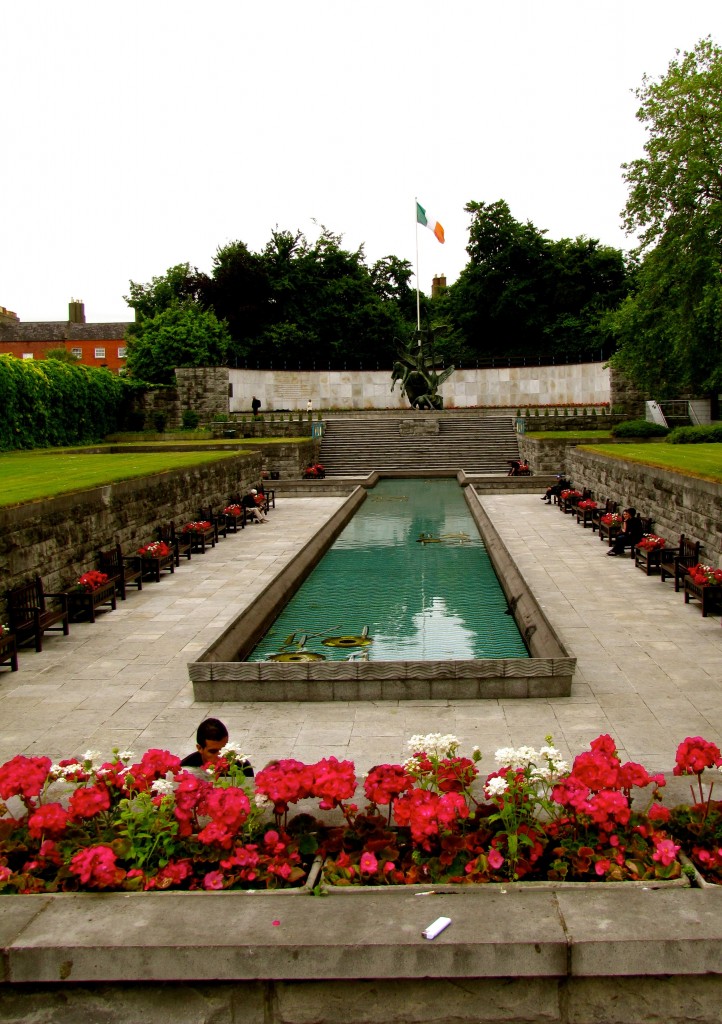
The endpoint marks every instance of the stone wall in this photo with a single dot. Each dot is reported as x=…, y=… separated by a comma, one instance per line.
x=59, y=538
x=575, y=384
x=204, y=390
x=676, y=503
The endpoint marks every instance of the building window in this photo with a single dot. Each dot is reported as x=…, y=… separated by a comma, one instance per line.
x=100, y=353
x=27, y=355
x=77, y=352
x=122, y=352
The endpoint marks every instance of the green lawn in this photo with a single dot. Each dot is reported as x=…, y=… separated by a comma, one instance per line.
x=701, y=460
x=33, y=476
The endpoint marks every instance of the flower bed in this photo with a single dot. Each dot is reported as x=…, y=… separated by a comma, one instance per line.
x=705, y=575
x=90, y=581
x=88, y=824
x=156, y=549
x=651, y=542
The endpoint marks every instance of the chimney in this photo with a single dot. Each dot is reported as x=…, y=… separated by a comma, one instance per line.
x=76, y=311
x=438, y=286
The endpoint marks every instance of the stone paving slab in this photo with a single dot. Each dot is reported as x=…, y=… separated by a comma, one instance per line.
x=649, y=669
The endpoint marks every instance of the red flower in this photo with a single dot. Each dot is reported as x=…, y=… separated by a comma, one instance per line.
x=87, y=802
x=49, y=820
x=333, y=781
x=285, y=782
x=694, y=754
x=23, y=776
x=385, y=782
x=455, y=774
x=96, y=867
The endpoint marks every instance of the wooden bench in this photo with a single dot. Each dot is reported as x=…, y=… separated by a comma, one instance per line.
x=708, y=594
x=676, y=562
x=217, y=519
x=199, y=538
x=85, y=602
x=9, y=651
x=608, y=507
x=179, y=543
x=30, y=616
x=123, y=570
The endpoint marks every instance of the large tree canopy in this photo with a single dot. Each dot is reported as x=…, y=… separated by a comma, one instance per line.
x=524, y=294
x=182, y=334
x=669, y=331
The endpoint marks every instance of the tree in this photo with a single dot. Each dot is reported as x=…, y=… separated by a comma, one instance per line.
x=673, y=320
x=178, y=284
x=62, y=355
x=524, y=294
x=182, y=334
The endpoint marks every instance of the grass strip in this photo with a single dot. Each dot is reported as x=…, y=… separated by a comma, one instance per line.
x=37, y=475
x=698, y=460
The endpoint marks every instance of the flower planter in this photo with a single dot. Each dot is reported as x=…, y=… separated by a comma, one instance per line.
x=153, y=565
x=85, y=602
x=684, y=882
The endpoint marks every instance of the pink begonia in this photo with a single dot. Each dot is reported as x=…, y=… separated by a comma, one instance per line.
x=495, y=859
x=213, y=880
x=665, y=852
x=368, y=863
x=602, y=866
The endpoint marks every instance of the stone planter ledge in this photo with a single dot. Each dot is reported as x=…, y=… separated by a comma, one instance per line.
x=252, y=936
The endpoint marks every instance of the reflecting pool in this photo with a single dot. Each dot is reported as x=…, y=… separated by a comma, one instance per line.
x=408, y=579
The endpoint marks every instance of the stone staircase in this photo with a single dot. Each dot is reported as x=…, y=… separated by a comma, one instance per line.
x=425, y=441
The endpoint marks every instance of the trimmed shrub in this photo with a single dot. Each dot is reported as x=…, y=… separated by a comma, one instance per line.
x=695, y=435
x=639, y=428
x=191, y=419
x=47, y=403
x=159, y=421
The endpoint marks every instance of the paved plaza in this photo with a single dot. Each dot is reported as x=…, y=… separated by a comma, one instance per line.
x=649, y=668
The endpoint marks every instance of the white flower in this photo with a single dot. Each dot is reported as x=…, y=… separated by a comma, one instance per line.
x=505, y=756
x=92, y=756
x=162, y=786
x=435, y=744
x=232, y=752
x=495, y=787
x=126, y=755
x=261, y=800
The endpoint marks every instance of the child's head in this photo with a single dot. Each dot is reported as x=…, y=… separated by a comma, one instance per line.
x=211, y=738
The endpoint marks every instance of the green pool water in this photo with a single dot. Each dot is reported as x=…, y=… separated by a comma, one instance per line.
x=417, y=601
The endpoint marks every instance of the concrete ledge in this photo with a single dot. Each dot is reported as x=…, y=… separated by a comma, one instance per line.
x=495, y=933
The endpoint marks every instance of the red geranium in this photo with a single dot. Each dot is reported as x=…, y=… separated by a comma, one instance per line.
x=96, y=867
x=694, y=754
x=385, y=782
x=89, y=801
x=23, y=776
x=48, y=820
x=333, y=781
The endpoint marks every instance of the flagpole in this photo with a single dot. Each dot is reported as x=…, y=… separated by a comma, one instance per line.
x=418, y=307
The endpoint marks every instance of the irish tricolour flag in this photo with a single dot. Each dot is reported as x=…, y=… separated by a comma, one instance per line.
x=428, y=222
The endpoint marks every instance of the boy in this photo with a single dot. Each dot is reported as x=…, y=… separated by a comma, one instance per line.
x=211, y=738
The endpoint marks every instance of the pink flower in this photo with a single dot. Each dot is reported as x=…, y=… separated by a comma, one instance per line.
x=665, y=851
x=213, y=880
x=495, y=859
x=602, y=866
x=368, y=863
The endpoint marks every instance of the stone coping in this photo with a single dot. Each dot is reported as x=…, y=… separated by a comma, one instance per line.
x=221, y=674
x=495, y=933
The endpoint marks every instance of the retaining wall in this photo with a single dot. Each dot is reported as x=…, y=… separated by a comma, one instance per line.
x=676, y=503
x=577, y=383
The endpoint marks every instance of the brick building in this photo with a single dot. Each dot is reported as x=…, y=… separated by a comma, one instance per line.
x=92, y=344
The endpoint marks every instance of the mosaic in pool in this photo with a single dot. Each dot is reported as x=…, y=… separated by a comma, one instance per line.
x=408, y=579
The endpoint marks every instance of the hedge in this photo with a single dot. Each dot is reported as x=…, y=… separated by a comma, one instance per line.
x=639, y=428
x=47, y=403
x=695, y=435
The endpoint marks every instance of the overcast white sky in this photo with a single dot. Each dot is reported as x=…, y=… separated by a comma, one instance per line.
x=139, y=134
